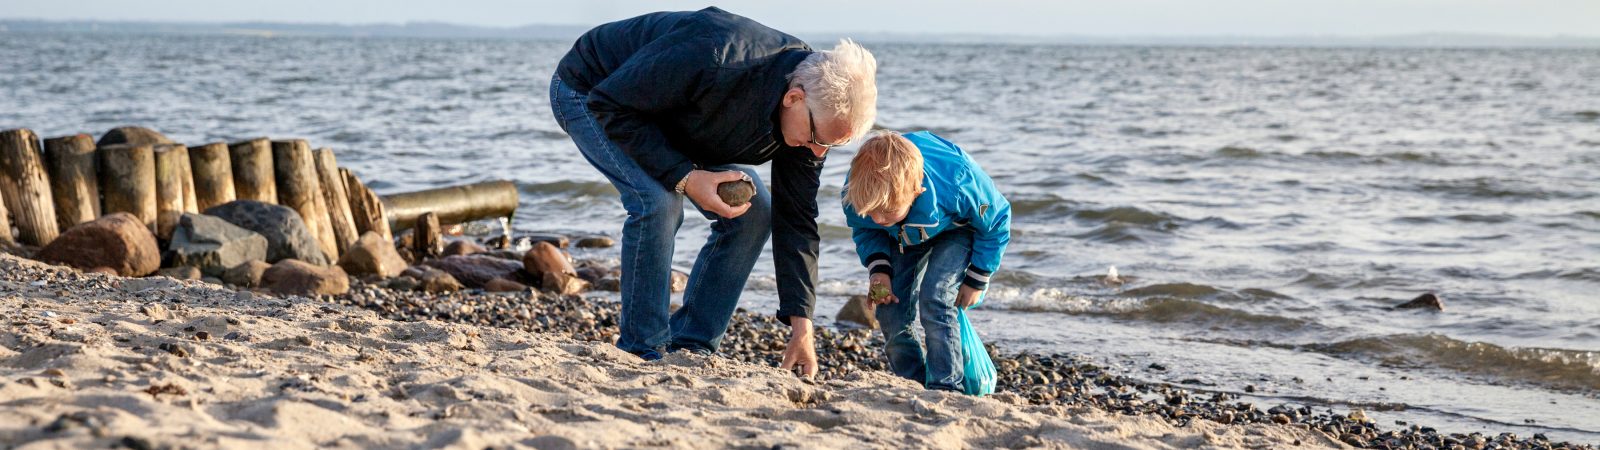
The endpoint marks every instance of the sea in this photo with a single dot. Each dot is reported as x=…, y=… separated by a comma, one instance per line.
x=1265, y=207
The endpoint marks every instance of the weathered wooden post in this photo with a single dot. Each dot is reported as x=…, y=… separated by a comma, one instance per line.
x=300, y=189
x=172, y=177
x=213, y=175
x=128, y=181
x=26, y=187
x=365, y=208
x=5, y=224
x=70, y=161
x=253, y=174
x=426, y=238
x=336, y=198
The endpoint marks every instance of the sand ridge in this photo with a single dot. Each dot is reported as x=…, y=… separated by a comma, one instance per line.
x=91, y=361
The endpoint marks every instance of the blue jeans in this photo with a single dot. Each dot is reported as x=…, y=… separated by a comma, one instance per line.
x=655, y=213
x=926, y=279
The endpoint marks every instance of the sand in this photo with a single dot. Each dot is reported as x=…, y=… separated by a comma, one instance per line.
x=95, y=361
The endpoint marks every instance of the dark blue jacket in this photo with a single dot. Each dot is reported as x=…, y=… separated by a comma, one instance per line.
x=679, y=90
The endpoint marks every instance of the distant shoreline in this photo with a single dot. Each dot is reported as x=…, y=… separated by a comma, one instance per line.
x=440, y=30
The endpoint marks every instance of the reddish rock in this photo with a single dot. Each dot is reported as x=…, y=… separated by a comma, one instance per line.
x=372, y=255
x=563, y=284
x=545, y=257
x=457, y=248
x=118, y=241
x=475, y=270
x=504, y=285
x=296, y=277
x=247, y=274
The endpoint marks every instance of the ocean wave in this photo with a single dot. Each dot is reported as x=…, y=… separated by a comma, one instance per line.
x=1557, y=368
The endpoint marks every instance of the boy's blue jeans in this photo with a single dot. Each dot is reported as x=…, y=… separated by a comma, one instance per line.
x=655, y=213
x=926, y=279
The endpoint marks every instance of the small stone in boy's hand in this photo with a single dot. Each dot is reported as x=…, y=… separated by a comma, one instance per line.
x=878, y=292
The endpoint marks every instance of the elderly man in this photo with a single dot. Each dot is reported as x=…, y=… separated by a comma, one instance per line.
x=669, y=105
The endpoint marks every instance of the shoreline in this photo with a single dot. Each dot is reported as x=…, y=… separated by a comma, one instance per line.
x=95, y=361
x=282, y=368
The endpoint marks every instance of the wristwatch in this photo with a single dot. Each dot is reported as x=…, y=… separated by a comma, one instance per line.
x=682, y=184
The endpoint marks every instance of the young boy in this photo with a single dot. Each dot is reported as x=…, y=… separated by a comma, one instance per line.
x=930, y=228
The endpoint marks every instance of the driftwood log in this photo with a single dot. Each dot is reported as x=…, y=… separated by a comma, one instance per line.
x=365, y=207
x=300, y=190
x=26, y=187
x=454, y=204
x=174, y=187
x=128, y=181
x=253, y=174
x=336, y=198
x=213, y=175
x=70, y=161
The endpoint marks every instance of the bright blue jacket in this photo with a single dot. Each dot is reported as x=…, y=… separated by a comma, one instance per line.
x=956, y=193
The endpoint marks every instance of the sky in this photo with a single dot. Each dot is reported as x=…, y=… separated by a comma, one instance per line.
x=1541, y=18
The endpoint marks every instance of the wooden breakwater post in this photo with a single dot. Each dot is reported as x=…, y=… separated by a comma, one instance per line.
x=336, y=199
x=365, y=207
x=213, y=175
x=26, y=187
x=454, y=204
x=299, y=188
x=253, y=174
x=70, y=162
x=128, y=181
x=174, y=187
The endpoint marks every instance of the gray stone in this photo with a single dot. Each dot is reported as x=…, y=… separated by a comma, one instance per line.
x=286, y=233
x=213, y=245
x=1427, y=301
x=859, y=312
x=132, y=135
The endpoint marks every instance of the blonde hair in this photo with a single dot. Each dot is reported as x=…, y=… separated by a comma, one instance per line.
x=844, y=82
x=885, y=174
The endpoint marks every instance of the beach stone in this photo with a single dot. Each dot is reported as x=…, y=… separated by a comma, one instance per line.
x=680, y=281
x=592, y=274
x=213, y=245
x=246, y=274
x=1424, y=301
x=504, y=285
x=372, y=255
x=558, y=240
x=544, y=258
x=286, y=233
x=180, y=273
x=476, y=270
x=595, y=242
x=609, y=284
x=462, y=248
x=564, y=284
x=857, y=311
x=403, y=284
x=296, y=277
x=132, y=135
x=736, y=193
x=432, y=280
x=117, y=240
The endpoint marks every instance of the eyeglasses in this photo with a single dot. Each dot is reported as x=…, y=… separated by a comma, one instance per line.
x=813, y=118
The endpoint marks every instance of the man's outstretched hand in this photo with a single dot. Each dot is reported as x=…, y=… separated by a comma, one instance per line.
x=702, y=190
x=801, y=353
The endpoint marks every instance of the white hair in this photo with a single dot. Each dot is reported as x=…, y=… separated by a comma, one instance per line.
x=841, y=84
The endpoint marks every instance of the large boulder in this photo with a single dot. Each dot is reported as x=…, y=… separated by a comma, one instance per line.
x=372, y=255
x=475, y=271
x=118, y=241
x=858, y=311
x=132, y=136
x=286, y=233
x=544, y=258
x=213, y=245
x=295, y=277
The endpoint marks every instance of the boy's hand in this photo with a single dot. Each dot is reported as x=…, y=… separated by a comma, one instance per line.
x=967, y=296
x=701, y=188
x=882, y=292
